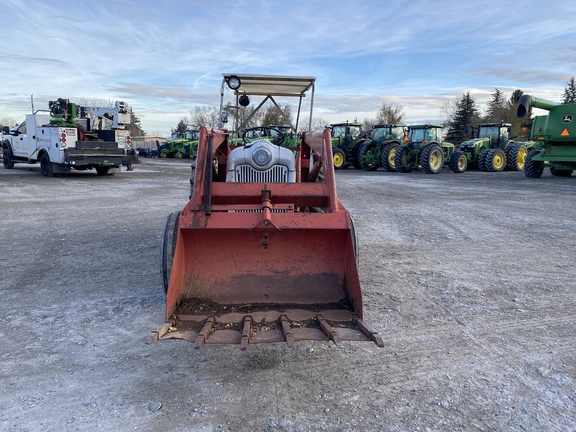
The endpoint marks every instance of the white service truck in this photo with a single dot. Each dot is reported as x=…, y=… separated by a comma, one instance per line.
x=59, y=142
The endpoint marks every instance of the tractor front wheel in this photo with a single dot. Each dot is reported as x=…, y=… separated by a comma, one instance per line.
x=168, y=247
x=366, y=157
x=432, y=159
x=495, y=160
x=458, y=162
x=533, y=169
x=387, y=157
x=339, y=158
x=402, y=160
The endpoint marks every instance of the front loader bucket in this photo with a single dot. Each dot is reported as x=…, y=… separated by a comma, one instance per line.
x=263, y=262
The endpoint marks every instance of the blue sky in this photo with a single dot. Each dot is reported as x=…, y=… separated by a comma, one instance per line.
x=165, y=57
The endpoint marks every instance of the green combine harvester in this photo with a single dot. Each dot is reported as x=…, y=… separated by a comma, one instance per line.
x=380, y=149
x=556, y=133
x=426, y=149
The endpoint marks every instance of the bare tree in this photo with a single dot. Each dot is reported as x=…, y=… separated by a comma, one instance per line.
x=389, y=114
x=205, y=116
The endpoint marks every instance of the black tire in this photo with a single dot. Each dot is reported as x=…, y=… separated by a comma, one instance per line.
x=102, y=171
x=169, y=247
x=46, y=166
x=533, y=169
x=387, y=157
x=458, y=162
x=560, y=173
x=339, y=158
x=7, y=158
x=495, y=160
x=432, y=159
x=362, y=152
x=357, y=162
x=517, y=157
x=482, y=159
x=401, y=160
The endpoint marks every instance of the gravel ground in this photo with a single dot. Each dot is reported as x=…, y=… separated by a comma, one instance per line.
x=468, y=278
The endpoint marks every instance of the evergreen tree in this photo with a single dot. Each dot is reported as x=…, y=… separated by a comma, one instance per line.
x=135, y=126
x=569, y=92
x=496, y=111
x=182, y=127
x=511, y=117
x=465, y=116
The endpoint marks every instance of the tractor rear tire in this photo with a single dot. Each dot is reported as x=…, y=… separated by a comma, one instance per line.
x=533, y=169
x=517, y=157
x=495, y=160
x=458, y=162
x=357, y=162
x=179, y=155
x=402, y=159
x=482, y=159
x=169, y=247
x=339, y=158
x=432, y=159
x=387, y=157
x=362, y=152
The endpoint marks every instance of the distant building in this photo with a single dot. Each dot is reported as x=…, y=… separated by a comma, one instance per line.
x=147, y=141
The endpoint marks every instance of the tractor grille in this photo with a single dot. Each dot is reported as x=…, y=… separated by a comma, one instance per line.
x=247, y=174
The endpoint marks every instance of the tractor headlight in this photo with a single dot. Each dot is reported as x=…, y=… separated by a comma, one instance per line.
x=262, y=157
x=234, y=82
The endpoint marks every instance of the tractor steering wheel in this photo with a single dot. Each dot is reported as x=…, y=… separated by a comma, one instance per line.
x=263, y=133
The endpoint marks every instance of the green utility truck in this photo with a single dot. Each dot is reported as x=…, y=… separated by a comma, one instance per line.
x=346, y=141
x=426, y=149
x=493, y=150
x=380, y=148
x=556, y=134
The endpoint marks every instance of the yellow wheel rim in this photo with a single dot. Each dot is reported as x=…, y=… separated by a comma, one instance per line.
x=521, y=159
x=436, y=160
x=462, y=163
x=391, y=156
x=338, y=160
x=164, y=155
x=498, y=161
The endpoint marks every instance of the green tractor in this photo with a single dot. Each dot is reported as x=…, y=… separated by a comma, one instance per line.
x=426, y=149
x=556, y=134
x=493, y=150
x=347, y=139
x=380, y=149
x=181, y=145
x=290, y=139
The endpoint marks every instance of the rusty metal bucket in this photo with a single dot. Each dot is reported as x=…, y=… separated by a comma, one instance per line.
x=250, y=263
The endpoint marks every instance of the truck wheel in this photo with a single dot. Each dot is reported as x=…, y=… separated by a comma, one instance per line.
x=387, y=157
x=432, y=159
x=168, y=247
x=533, y=169
x=458, y=162
x=46, y=166
x=517, y=157
x=402, y=159
x=102, y=171
x=7, y=159
x=495, y=160
x=339, y=158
